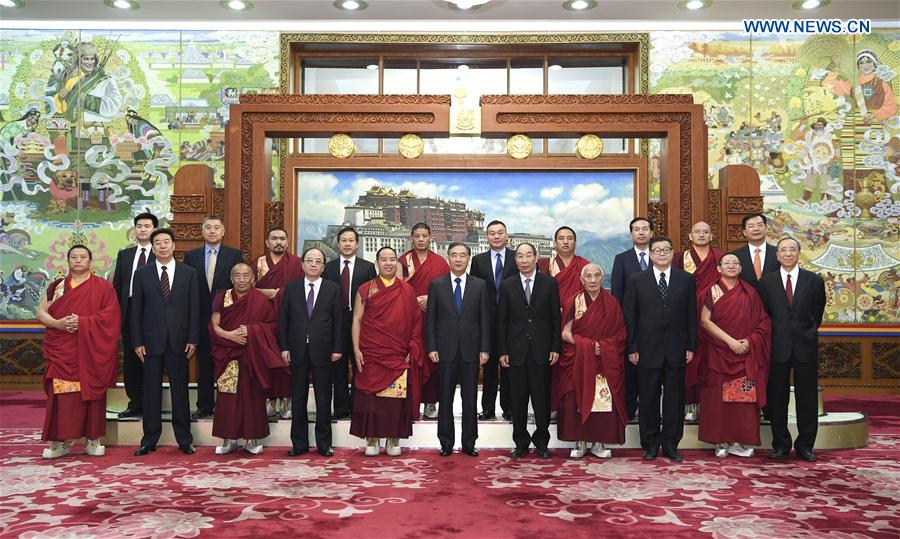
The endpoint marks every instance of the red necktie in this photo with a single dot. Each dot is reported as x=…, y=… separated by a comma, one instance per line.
x=164, y=283
x=345, y=284
x=789, y=290
x=142, y=260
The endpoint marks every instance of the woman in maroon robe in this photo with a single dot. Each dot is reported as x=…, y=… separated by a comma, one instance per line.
x=594, y=337
x=735, y=336
x=245, y=351
x=389, y=354
x=81, y=346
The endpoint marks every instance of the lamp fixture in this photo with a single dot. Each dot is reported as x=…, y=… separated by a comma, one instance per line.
x=462, y=67
x=693, y=5
x=810, y=4
x=466, y=5
x=351, y=5
x=12, y=3
x=372, y=66
x=579, y=5
x=554, y=67
x=123, y=4
x=236, y=5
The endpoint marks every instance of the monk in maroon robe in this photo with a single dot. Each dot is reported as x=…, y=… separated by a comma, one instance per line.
x=245, y=353
x=390, y=354
x=274, y=270
x=735, y=337
x=81, y=346
x=592, y=409
x=566, y=268
x=701, y=260
x=419, y=266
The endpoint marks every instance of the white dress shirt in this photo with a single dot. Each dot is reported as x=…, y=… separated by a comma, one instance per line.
x=667, y=272
x=352, y=261
x=462, y=283
x=170, y=269
x=316, y=285
x=494, y=253
x=134, y=263
x=794, y=273
x=762, y=254
x=522, y=277
x=637, y=253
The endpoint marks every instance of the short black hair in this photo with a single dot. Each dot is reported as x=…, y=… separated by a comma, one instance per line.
x=79, y=246
x=458, y=244
x=303, y=258
x=574, y=235
x=417, y=226
x=495, y=222
x=660, y=239
x=533, y=250
x=146, y=215
x=346, y=229
x=378, y=254
x=158, y=231
x=273, y=229
x=213, y=218
x=753, y=215
x=638, y=219
x=788, y=238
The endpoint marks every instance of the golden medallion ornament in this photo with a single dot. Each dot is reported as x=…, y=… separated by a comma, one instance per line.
x=411, y=146
x=519, y=146
x=589, y=147
x=341, y=146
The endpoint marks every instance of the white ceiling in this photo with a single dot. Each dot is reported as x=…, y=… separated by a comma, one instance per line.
x=290, y=14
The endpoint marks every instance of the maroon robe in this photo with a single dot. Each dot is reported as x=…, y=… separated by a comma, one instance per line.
x=598, y=329
x=88, y=357
x=419, y=275
x=568, y=278
x=243, y=414
x=740, y=313
x=388, y=334
x=706, y=273
x=275, y=276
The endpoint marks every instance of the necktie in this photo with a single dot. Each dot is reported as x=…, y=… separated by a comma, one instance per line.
x=211, y=268
x=528, y=291
x=457, y=294
x=757, y=264
x=345, y=284
x=643, y=261
x=498, y=273
x=789, y=290
x=143, y=258
x=164, y=283
x=310, y=300
x=663, y=288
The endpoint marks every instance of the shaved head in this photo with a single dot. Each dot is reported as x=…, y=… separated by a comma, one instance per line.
x=241, y=265
x=591, y=267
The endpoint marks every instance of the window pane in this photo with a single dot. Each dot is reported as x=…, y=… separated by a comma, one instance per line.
x=400, y=76
x=586, y=75
x=477, y=76
x=340, y=76
x=526, y=76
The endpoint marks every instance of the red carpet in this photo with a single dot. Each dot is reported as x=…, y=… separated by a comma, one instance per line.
x=846, y=495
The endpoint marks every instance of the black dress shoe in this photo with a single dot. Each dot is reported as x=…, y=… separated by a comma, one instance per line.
x=806, y=454
x=486, y=417
x=471, y=451
x=518, y=453
x=507, y=417
x=297, y=451
x=326, y=452
x=129, y=412
x=543, y=453
x=650, y=454
x=780, y=454
x=673, y=455
x=144, y=450
x=201, y=414
x=338, y=417
x=187, y=449
x=446, y=451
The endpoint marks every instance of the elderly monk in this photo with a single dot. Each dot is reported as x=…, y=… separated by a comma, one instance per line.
x=566, y=268
x=419, y=266
x=592, y=375
x=701, y=260
x=274, y=270
x=81, y=346
x=242, y=330
x=389, y=350
x=734, y=343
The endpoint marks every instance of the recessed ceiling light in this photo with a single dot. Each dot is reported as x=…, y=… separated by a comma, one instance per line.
x=465, y=5
x=123, y=4
x=554, y=67
x=236, y=5
x=351, y=5
x=810, y=4
x=579, y=5
x=372, y=66
x=693, y=5
x=462, y=67
x=12, y=3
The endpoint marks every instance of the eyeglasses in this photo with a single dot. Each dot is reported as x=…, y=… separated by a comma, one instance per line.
x=661, y=251
x=788, y=250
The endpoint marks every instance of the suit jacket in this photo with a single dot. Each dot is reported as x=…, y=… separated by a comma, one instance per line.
x=156, y=320
x=795, y=327
x=661, y=332
x=226, y=258
x=522, y=325
x=483, y=268
x=467, y=332
x=319, y=334
x=747, y=274
x=363, y=271
x=122, y=277
x=625, y=265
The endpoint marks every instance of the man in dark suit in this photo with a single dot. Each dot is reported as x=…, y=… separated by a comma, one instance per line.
x=530, y=342
x=626, y=264
x=661, y=314
x=348, y=271
x=493, y=267
x=310, y=340
x=129, y=260
x=757, y=258
x=458, y=339
x=213, y=263
x=795, y=301
x=165, y=320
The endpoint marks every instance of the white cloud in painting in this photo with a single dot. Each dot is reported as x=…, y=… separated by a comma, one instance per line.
x=549, y=193
x=317, y=203
x=419, y=188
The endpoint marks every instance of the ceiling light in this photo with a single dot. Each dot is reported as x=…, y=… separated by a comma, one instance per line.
x=462, y=67
x=579, y=5
x=554, y=67
x=810, y=4
x=12, y=3
x=372, y=66
x=351, y=5
x=236, y=5
x=122, y=4
x=465, y=5
x=693, y=5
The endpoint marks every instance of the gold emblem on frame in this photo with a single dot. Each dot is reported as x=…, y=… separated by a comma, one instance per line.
x=341, y=146
x=411, y=146
x=589, y=147
x=519, y=146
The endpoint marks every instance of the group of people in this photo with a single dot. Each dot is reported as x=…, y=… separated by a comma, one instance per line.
x=699, y=332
